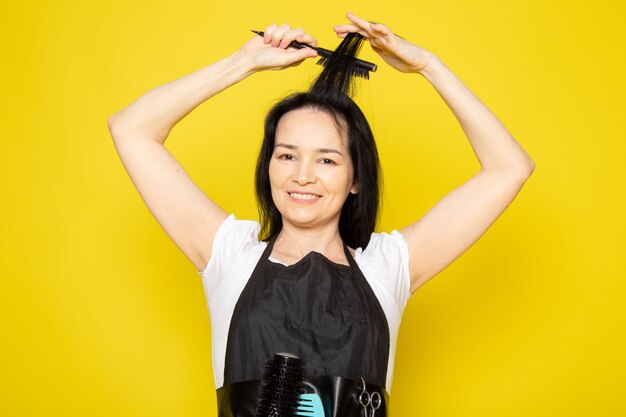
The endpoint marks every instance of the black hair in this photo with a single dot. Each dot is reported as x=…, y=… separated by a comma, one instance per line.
x=330, y=94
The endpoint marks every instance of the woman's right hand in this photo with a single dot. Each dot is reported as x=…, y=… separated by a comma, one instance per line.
x=271, y=52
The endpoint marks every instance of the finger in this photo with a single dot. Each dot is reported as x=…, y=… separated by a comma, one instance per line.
x=299, y=55
x=306, y=38
x=289, y=36
x=383, y=31
x=346, y=28
x=277, y=35
x=360, y=23
x=380, y=28
x=342, y=30
x=306, y=53
x=267, y=33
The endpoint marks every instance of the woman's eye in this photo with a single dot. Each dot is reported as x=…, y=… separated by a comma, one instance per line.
x=327, y=161
x=286, y=156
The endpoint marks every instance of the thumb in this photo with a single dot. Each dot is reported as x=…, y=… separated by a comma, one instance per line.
x=302, y=54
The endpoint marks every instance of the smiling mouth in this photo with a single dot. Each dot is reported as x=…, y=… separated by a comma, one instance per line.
x=304, y=196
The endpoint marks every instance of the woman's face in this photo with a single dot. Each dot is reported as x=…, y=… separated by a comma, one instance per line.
x=310, y=172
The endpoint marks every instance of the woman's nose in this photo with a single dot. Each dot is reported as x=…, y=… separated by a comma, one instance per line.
x=304, y=173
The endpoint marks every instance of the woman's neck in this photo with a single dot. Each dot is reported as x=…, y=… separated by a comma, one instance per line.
x=293, y=243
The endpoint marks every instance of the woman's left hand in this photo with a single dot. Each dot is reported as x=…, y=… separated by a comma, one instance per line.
x=397, y=52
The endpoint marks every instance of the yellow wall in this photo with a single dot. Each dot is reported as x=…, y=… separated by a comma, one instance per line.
x=103, y=316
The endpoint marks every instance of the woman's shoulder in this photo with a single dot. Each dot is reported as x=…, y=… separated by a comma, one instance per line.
x=384, y=243
x=232, y=220
x=236, y=249
x=385, y=254
x=236, y=231
x=385, y=264
x=235, y=240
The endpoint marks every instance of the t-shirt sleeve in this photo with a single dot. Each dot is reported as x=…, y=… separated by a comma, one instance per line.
x=233, y=239
x=386, y=260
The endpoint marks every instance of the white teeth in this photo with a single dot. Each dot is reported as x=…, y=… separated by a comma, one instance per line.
x=304, y=196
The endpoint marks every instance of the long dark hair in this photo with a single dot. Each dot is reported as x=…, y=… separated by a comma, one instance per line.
x=360, y=211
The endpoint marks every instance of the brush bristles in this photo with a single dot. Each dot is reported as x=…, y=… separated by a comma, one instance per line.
x=340, y=68
x=280, y=389
x=352, y=68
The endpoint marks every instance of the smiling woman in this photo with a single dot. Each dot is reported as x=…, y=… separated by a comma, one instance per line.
x=311, y=123
x=308, y=188
x=312, y=278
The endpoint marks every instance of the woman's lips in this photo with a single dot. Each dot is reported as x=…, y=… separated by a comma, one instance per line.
x=304, y=197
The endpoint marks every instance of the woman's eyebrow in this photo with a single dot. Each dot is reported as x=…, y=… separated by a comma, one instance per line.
x=284, y=145
x=326, y=150
x=320, y=150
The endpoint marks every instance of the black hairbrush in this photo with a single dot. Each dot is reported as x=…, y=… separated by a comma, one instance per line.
x=281, y=386
x=358, y=67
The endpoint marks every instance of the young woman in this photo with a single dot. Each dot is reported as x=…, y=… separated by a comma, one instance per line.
x=317, y=282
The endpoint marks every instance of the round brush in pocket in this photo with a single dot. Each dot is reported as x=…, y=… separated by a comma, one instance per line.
x=281, y=386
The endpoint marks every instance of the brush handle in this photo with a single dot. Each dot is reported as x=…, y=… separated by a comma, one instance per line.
x=299, y=45
x=321, y=51
x=326, y=53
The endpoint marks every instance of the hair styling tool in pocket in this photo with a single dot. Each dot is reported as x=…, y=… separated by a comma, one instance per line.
x=358, y=67
x=310, y=405
x=281, y=386
x=369, y=400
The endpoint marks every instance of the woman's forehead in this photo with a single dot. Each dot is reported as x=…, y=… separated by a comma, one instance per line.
x=310, y=128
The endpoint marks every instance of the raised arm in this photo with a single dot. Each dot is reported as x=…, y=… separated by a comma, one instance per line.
x=188, y=216
x=460, y=218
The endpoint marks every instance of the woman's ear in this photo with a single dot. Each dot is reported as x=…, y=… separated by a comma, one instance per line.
x=354, y=189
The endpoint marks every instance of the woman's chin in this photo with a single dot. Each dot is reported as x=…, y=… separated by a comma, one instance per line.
x=308, y=221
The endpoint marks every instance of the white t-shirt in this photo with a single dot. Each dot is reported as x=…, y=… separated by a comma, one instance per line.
x=237, y=250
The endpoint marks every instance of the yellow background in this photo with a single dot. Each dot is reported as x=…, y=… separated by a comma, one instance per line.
x=103, y=316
